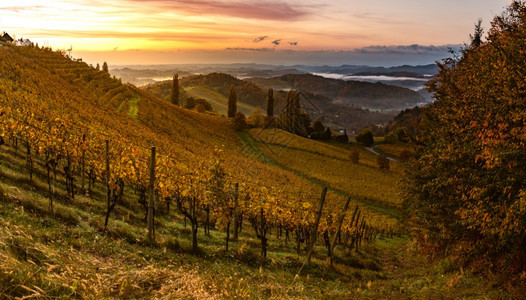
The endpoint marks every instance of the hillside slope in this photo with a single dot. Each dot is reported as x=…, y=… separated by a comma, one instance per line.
x=55, y=118
x=64, y=109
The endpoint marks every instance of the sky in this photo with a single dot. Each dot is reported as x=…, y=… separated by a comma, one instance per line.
x=288, y=32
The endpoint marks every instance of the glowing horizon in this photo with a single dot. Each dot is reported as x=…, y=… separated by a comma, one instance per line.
x=219, y=25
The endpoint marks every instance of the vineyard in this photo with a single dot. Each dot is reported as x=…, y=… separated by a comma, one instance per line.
x=81, y=130
x=330, y=165
x=109, y=191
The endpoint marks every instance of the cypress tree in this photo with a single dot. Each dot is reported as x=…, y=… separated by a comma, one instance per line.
x=232, y=102
x=288, y=114
x=105, y=68
x=174, y=97
x=296, y=123
x=270, y=103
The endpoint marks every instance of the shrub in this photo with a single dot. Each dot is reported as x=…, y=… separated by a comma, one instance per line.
x=200, y=108
x=354, y=156
x=391, y=138
x=383, y=162
x=317, y=126
x=257, y=119
x=239, y=121
x=204, y=103
x=365, y=137
x=190, y=103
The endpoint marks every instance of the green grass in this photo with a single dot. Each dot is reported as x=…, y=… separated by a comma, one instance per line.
x=133, y=106
x=217, y=100
x=250, y=148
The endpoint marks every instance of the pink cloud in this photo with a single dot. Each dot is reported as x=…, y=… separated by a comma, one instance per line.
x=276, y=10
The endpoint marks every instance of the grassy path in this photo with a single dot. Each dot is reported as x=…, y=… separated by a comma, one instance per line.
x=133, y=106
x=409, y=274
x=374, y=150
x=251, y=148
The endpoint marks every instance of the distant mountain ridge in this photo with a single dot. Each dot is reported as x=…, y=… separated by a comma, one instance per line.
x=420, y=70
x=144, y=74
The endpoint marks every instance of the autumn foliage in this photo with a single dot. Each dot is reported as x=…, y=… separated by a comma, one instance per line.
x=467, y=186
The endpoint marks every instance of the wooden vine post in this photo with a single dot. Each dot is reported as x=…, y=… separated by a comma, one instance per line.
x=151, y=203
x=332, y=243
x=29, y=161
x=83, y=165
x=108, y=192
x=316, y=224
x=236, y=217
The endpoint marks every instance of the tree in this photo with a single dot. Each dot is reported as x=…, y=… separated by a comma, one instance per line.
x=257, y=119
x=204, y=103
x=354, y=156
x=343, y=138
x=383, y=162
x=240, y=122
x=317, y=126
x=399, y=134
x=200, y=108
x=270, y=103
x=232, y=102
x=221, y=199
x=476, y=38
x=105, y=68
x=466, y=186
x=365, y=137
x=318, y=131
x=328, y=133
x=174, y=97
x=97, y=67
x=190, y=103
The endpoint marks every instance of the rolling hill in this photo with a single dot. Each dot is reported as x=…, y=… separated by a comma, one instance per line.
x=214, y=87
x=218, y=101
x=363, y=94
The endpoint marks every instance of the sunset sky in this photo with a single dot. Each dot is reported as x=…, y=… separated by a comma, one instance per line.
x=381, y=32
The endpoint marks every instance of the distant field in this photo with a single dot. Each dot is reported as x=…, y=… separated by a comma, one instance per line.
x=218, y=101
x=330, y=164
x=273, y=83
x=395, y=149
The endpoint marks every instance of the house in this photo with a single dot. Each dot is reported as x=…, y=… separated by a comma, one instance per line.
x=23, y=42
x=7, y=37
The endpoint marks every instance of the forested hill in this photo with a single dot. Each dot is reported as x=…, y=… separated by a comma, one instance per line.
x=364, y=94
